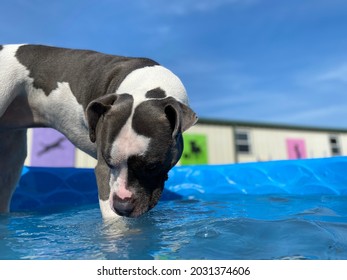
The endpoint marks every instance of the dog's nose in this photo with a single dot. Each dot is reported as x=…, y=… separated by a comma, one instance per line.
x=123, y=207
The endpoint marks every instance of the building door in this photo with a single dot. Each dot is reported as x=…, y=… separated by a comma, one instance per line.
x=296, y=148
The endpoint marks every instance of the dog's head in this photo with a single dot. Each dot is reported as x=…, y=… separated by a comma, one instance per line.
x=139, y=139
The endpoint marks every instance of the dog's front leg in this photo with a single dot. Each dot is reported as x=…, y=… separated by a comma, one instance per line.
x=13, y=151
x=102, y=172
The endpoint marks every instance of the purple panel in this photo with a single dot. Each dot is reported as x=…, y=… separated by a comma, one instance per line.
x=51, y=148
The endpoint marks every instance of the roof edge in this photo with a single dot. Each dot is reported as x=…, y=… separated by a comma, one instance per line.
x=239, y=123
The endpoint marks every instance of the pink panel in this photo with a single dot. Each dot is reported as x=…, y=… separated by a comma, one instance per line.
x=296, y=148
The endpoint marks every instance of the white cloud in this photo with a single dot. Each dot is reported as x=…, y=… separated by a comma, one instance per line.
x=230, y=89
x=184, y=7
x=336, y=74
x=316, y=100
x=323, y=75
x=323, y=115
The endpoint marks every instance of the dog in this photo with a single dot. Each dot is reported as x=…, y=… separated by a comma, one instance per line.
x=128, y=113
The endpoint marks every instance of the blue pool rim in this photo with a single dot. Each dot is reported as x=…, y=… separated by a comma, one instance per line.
x=49, y=188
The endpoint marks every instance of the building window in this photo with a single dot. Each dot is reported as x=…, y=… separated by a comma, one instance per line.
x=334, y=145
x=243, y=143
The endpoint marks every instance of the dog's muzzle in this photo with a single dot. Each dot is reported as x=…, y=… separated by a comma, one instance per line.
x=123, y=207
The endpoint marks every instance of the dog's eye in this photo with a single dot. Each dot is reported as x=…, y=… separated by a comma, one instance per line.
x=152, y=167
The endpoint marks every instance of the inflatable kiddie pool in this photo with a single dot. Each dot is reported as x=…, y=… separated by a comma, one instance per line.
x=42, y=187
x=293, y=209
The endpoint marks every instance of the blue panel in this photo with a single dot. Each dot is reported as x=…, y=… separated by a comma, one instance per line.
x=49, y=188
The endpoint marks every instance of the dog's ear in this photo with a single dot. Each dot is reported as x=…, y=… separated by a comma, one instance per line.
x=180, y=116
x=95, y=110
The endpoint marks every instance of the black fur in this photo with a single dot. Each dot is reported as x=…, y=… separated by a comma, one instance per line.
x=90, y=74
x=156, y=93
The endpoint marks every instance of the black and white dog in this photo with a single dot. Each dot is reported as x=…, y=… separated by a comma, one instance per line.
x=129, y=113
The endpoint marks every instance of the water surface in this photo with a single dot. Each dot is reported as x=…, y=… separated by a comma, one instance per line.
x=230, y=226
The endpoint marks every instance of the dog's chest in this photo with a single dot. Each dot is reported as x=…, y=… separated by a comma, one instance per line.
x=61, y=111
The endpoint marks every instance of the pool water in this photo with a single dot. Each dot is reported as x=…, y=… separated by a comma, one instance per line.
x=223, y=226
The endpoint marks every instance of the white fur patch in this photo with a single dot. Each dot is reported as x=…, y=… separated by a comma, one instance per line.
x=13, y=76
x=118, y=182
x=61, y=111
x=128, y=143
x=106, y=210
x=141, y=80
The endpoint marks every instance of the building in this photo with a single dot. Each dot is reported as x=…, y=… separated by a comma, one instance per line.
x=234, y=141
x=210, y=142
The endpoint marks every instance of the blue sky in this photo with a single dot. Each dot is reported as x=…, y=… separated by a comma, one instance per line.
x=252, y=60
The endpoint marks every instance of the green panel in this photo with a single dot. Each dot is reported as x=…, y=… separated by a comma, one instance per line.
x=195, y=149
